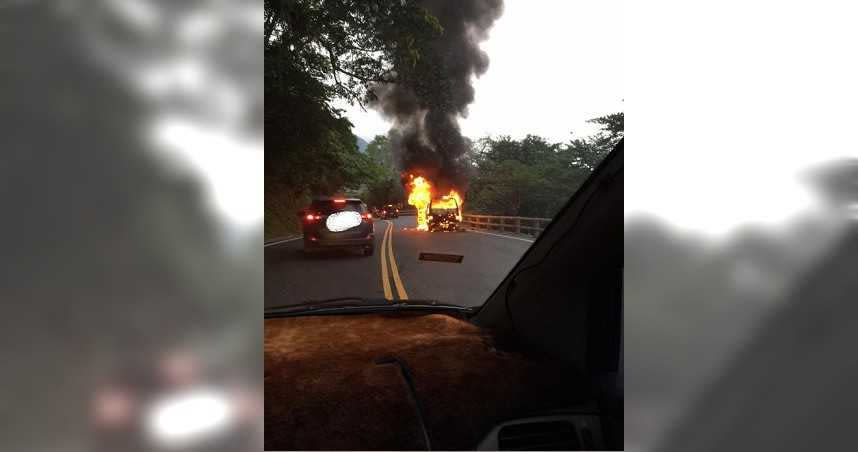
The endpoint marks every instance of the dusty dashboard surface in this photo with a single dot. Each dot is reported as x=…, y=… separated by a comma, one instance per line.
x=396, y=382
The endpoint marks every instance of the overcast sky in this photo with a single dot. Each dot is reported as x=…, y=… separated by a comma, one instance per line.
x=552, y=66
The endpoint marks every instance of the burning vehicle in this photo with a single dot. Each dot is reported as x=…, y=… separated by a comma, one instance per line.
x=434, y=213
x=444, y=215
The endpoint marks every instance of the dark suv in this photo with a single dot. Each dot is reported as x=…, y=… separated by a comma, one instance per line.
x=338, y=223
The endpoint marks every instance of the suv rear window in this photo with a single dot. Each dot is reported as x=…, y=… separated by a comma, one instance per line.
x=329, y=207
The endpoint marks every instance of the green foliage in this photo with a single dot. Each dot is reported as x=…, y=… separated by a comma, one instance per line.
x=380, y=152
x=612, y=124
x=385, y=186
x=534, y=178
x=346, y=46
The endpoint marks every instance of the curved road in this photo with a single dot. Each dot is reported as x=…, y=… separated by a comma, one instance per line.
x=290, y=277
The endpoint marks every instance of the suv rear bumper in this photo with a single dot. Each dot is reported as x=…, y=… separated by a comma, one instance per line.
x=339, y=243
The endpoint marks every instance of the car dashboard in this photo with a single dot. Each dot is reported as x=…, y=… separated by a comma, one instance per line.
x=408, y=381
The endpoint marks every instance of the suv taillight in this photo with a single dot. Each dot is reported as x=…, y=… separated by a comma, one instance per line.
x=312, y=217
x=367, y=216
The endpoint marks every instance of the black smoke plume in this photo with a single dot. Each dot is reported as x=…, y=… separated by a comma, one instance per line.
x=425, y=104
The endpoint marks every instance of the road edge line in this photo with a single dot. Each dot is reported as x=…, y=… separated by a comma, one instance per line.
x=394, y=270
x=501, y=235
x=277, y=241
x=385, y=283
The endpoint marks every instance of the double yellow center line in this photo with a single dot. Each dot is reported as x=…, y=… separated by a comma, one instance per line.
x=387, y=254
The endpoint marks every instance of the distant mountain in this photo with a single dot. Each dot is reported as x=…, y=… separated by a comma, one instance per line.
x=361, y=143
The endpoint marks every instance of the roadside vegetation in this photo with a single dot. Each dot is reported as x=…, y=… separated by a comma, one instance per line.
x=532, y=177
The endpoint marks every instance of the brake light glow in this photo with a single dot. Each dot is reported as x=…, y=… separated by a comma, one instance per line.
x=309, y=217
x=339, y=201
x=367, y=216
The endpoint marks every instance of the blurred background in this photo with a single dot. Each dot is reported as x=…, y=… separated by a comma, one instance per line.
x=740, y=230
x=132, y=272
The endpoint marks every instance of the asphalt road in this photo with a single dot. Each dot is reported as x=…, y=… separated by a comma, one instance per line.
x=291, y=277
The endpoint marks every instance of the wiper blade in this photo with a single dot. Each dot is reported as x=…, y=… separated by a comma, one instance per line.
x=358, y=300
x=358, y=304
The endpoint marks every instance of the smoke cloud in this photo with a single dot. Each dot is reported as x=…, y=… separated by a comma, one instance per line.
x=426, y=105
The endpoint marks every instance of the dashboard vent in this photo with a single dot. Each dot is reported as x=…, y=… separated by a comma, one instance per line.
x=552, y=435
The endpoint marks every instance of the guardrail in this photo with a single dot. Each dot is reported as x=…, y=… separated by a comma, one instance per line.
x=519, y=225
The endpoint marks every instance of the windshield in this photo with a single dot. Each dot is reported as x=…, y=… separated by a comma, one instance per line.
x=432, y=248
x=383, y=191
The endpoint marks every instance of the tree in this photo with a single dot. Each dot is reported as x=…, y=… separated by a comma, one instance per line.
x=588, y=152
x=612, y=124
x=348, y=46
x=517, y=177
x=532, y=177
x=384, y=187
x=380, y=152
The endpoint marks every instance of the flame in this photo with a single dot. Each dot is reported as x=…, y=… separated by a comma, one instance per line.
x=419, y=197
x=451, y=201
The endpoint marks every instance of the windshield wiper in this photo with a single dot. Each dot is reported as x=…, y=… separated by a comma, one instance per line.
x=355, y=300
x=359, y=304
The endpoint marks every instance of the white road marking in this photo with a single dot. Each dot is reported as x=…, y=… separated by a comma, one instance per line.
x=501, y=235
x=282, y=241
